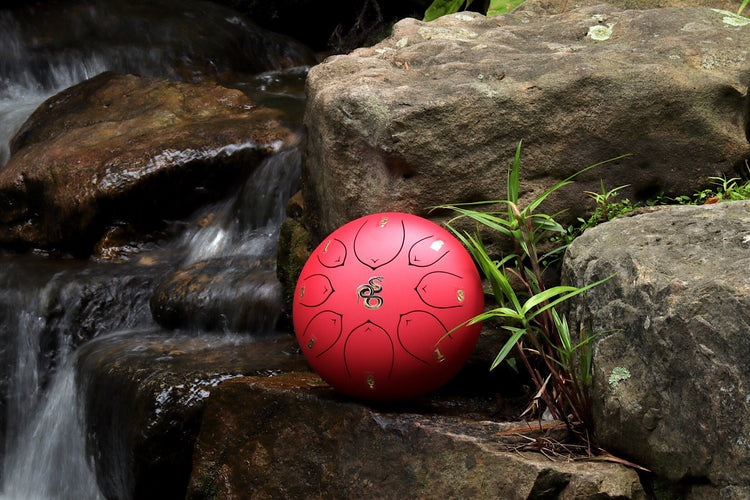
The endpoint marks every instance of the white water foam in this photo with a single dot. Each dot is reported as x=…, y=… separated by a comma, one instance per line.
x=249, y=224
x=45, y=456
x=50, y=459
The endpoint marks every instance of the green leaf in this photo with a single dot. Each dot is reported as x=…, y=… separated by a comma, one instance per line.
x=440, y=8
x=497, y=7
x=547, y=295
x=563, y=331
x=502, y=6
x=567, y=296
x=742, y=7
x=517, y=334
x=514, y=176
x=500, y=286
x=546, y=224
x=512, y=363
x=591, y=337
x=487, y=219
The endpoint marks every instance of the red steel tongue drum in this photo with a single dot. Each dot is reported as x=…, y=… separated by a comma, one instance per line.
x=375, y=300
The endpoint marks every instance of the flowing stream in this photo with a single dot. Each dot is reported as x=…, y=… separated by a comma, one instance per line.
x=49, y=308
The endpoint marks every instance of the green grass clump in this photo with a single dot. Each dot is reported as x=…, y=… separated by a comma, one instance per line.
x=557, y=360
x=609, y=207
x=726, y=190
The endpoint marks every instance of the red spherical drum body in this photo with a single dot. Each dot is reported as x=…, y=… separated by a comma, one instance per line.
x=375, y=300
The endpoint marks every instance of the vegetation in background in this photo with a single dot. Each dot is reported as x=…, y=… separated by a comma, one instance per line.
x=608, y=207
x=557, y=360
x=489, y=7
x=726, y=190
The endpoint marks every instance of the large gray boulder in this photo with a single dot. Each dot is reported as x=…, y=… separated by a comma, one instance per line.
x=433, y=114
x=671, y=387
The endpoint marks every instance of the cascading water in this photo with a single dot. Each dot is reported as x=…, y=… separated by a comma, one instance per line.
x=22, y=89
x=48, y=309
x=45, y=454
x=248, y=224
x=42, y=306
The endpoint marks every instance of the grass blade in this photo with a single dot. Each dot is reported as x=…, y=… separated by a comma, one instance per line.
x=514, y=176
x=517, y=333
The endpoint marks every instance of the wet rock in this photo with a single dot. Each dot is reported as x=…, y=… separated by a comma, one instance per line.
x=293, y=250
x=47, y=309
x=288, y=437
x=671, y=381
x=124, y=148
x=433, y=114
x=226, y=294
x=188, y=40
x=122, y=243
x=145, y=392
x=71, y=302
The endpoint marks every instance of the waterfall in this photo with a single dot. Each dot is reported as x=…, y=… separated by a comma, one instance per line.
x=49, y=308
x=158, y=38
x=45, y=454
x=248, y=224
x=48, y=458
x=23, y=87
x=16, y=104
x=45, y=306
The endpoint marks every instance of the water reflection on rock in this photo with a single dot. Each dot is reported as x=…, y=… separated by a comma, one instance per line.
x=145, y=392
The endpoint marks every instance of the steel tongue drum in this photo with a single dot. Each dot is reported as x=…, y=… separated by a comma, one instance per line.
x=375, y=301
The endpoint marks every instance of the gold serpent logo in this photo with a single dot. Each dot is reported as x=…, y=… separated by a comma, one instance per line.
x=369, y=293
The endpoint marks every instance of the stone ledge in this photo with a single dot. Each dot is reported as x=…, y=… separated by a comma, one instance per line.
x=291, y=437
